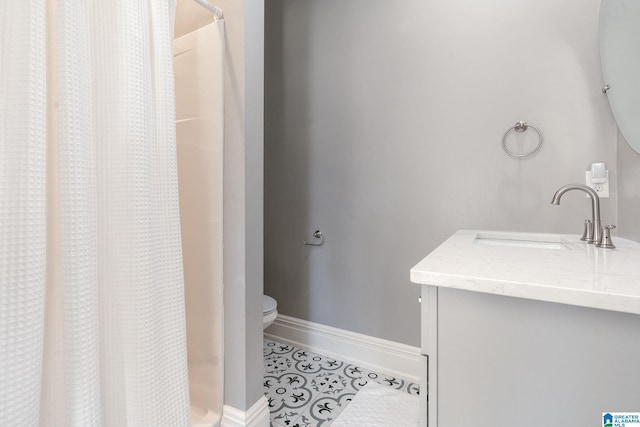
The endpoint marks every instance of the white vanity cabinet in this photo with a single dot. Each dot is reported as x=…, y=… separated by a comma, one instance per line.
x=513, y=338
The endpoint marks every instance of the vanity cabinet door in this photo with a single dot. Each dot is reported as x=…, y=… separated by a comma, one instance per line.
x=429, y=343
x=508, y=362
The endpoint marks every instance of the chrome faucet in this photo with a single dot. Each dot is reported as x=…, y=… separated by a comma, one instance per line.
x=594, y=231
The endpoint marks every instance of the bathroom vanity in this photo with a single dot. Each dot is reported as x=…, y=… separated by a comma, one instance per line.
x=527, y=330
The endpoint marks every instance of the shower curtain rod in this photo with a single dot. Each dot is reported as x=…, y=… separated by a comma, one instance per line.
x=215, y=10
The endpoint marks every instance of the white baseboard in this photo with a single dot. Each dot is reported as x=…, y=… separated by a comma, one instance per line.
x=368, y=352
x=256, y=416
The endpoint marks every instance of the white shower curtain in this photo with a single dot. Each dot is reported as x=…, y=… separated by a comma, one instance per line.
x=92, y=329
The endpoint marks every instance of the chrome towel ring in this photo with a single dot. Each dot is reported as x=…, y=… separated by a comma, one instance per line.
x=521, y=127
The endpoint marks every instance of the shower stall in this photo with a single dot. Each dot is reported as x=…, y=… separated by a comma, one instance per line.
x=219, y=91
x=112, y=123
x=199, y=87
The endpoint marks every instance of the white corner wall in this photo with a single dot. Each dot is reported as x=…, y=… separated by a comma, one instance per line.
x=383, y=129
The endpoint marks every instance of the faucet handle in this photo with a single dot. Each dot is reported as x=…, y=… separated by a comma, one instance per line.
x=585, y=232
x=590, y=231
x=605, y=239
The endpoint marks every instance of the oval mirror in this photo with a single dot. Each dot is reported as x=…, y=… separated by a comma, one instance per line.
x=620, y=57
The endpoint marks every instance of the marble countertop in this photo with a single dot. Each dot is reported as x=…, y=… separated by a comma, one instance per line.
x=566, y=271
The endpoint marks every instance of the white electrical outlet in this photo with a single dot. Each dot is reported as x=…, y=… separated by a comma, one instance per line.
x=601, y=188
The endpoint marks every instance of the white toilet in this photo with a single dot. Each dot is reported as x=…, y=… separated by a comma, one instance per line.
x=269, y=311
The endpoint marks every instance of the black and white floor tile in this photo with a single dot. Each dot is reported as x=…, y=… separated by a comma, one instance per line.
x=305, y=389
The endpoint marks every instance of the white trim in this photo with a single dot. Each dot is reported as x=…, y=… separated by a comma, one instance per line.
x=256, y=416
x=373, y=353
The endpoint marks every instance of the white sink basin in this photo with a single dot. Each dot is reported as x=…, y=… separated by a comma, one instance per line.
x=522, y=240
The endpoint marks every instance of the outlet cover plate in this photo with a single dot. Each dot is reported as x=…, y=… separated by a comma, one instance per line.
x=602, y=189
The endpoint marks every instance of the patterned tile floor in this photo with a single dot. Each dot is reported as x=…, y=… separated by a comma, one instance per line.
x=305, y=389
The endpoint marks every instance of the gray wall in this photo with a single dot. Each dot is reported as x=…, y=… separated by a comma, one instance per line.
x=243, y=200
x=383, y=127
